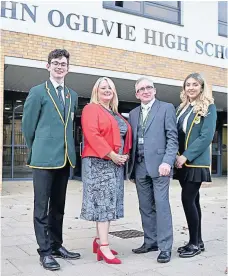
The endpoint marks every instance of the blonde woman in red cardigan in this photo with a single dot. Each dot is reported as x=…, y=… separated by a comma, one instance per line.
x=107, y=142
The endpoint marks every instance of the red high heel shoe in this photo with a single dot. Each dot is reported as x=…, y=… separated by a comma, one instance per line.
x=96, y=246
x=101, y=256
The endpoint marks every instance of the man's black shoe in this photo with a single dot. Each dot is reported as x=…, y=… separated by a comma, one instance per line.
x=184, y=248
x=190, y=251
x=145, y=248
x=48, y=262
x=164, y=257
x=64, y=254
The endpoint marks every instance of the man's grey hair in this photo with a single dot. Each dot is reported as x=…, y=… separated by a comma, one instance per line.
x=142, y=79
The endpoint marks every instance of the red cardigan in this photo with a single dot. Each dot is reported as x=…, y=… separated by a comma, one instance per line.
x=101, y=132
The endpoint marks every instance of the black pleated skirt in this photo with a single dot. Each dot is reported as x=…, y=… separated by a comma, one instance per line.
x=188, y=174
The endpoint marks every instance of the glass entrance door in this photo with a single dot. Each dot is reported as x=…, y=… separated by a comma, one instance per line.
x=14, y=148
x=224, y=150
x=78, y=148
x=216, y=154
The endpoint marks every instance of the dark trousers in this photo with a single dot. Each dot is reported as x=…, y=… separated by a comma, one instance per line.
x=191, y=203
x=49, y=203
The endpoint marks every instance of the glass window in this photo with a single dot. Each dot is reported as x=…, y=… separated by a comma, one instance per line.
x=18, y=136
x=224, y=150
x=15, y=151
x=20, y=158
x=167, y=11
x=173, y=4
x=8, y=105
x=7, y=162
x=7, y=128
x=222, y=18
x=160, y=12
x=131, y=5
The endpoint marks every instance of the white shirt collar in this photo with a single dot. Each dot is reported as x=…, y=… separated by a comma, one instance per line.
x=148, y=106
x=55, y=83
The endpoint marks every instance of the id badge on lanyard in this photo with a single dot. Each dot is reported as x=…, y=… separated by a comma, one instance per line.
x=143, y=125
x=140, y=140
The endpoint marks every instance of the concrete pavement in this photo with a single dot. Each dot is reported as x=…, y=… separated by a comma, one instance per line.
x=19, y=256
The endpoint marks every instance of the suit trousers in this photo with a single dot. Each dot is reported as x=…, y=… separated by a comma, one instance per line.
x=49, y=202
x=154, y=207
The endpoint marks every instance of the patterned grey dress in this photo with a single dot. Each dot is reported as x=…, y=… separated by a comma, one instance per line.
x=103, y=185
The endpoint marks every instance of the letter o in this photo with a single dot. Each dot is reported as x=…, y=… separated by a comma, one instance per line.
x=50, y=18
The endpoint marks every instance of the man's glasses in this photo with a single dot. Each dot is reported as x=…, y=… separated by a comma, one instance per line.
x=56, y=63
x=143, y=89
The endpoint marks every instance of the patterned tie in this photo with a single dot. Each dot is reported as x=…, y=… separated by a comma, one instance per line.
x=146, y=110
x=60, y=88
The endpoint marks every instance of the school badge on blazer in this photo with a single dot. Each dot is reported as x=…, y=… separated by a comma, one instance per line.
x=197, y=120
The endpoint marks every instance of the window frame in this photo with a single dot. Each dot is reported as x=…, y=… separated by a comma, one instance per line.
x=152, y=3
x=223, y=23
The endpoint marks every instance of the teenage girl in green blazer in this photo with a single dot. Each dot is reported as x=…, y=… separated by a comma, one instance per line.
x=196, y=123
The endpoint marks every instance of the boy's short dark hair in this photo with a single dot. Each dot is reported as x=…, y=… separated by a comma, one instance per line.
x=57, y=53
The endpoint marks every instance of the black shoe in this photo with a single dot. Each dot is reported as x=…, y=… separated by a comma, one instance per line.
x=190, y=251
x=48, y=262
x=164, y=257
x=201, y=246
x=145, y=248
x=183, y=248
x=64, y=254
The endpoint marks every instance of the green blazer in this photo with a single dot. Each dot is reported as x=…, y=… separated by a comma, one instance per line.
x=47, y=131
x=199, y=135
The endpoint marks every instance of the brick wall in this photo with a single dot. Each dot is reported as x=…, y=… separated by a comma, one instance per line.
x=38, y=47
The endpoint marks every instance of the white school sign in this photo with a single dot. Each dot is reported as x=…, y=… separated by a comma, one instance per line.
x=99, y=26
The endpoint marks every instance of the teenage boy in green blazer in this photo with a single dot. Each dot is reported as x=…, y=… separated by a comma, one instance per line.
x=47, y=126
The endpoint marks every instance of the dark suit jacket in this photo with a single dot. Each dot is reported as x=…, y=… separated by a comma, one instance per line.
x=160, y=138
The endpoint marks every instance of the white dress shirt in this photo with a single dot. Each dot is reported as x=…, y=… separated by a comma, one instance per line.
x=56, y=84
x=187, y=116
x=146, y=108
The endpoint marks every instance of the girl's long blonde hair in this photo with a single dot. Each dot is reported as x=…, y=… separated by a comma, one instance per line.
x=204, y=99
x=94, y=96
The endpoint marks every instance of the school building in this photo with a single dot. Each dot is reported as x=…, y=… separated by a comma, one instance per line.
x=123, y=40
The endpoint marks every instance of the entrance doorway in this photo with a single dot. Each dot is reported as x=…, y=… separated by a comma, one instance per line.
x=76, y=172
x=224, y=149
x=216, y=154
x=219, y=147
x=14, y=148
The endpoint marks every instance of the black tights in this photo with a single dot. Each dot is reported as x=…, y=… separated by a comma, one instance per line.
x=191, y=203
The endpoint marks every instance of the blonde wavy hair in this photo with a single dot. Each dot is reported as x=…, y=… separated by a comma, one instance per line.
x=94, y=96
x=204, y=99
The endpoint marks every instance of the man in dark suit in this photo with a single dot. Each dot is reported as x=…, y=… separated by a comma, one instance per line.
x=155, y=145
x=47, y=126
